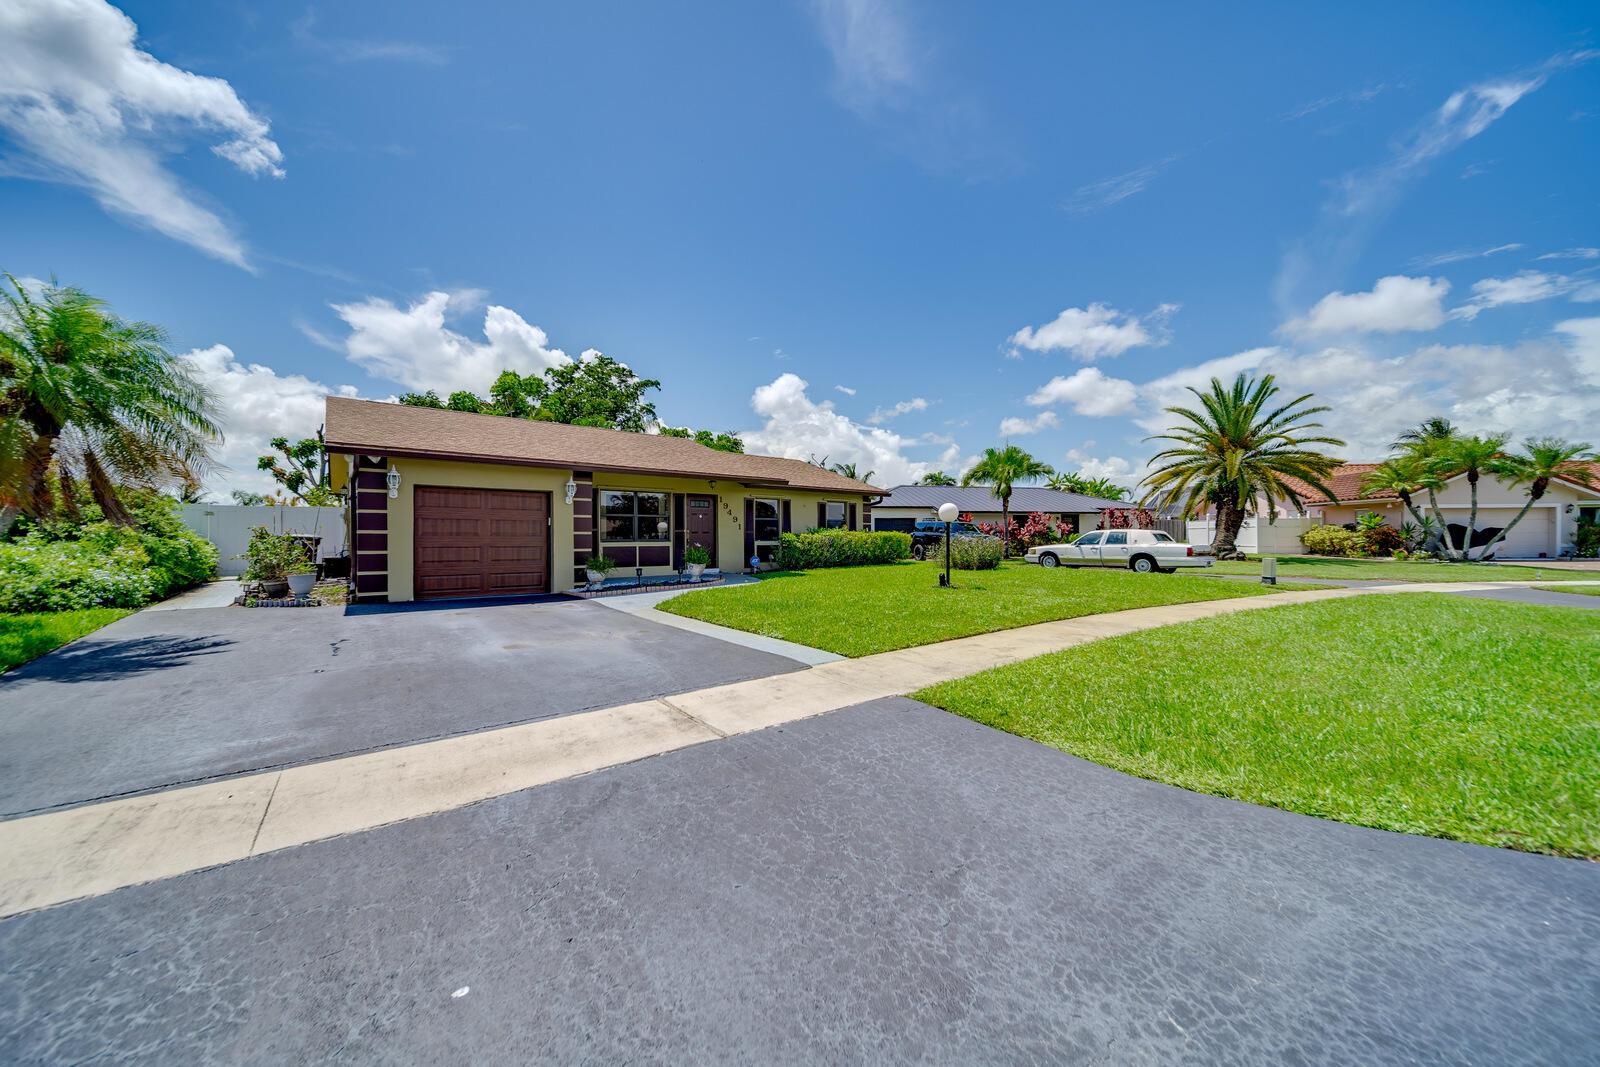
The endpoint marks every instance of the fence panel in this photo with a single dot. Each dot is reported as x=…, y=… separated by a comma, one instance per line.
x=228, y=527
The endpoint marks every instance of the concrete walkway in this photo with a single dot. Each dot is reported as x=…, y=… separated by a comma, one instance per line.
x=217, y=594
x=96, y=848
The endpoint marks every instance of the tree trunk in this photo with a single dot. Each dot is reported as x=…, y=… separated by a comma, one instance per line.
x=1005, y=526
x=1472, y=518
x=1411, y=509
x=8, y=515
x=1444, y=527
x=1230, y=517
x=1501, y=536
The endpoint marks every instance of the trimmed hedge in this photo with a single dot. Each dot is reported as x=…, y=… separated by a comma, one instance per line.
x=841, y=548
x=1334, y=541
x=971, y=553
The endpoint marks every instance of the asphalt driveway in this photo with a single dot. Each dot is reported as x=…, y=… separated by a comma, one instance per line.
x=884, y=883
x=166, y=697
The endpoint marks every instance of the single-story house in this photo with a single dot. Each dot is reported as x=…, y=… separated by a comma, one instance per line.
x=905, y=504
x=450, y=504
x=1545, y=532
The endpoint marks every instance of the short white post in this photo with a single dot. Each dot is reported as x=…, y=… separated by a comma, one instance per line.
x=1269, y=570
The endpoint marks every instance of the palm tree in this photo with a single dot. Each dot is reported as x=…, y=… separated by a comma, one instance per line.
x=849, y=471
x=936, y=478
x=1545, y=458
x=88, y=397
x=1473, y=455
x=1400, y=476
x=1428, y=442
x=1002, y=468
x=1235, y=449
x=1429, y=430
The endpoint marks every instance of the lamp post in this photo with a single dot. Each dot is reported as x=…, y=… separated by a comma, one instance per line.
x=947, y=513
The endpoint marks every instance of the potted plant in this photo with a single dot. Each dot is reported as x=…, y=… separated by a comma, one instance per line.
x=271, y=558
x=695, y=561
x=301, y=577
x=597, y=567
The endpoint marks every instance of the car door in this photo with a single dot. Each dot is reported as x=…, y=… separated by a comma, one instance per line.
x=1087, y=549
x=1114, y=549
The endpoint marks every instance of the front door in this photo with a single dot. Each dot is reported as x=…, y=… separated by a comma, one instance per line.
x=700, y=524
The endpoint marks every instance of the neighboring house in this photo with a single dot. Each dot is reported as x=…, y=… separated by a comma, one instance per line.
x=1545, y=532
x=905, y=504
x=485, y=505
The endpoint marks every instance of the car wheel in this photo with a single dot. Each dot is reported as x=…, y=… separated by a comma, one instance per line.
x=1142, y=565
x=1049, y=560
x=919, y=552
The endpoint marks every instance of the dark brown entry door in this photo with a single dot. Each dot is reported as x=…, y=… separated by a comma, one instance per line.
x=481, y=542
x=700, y=524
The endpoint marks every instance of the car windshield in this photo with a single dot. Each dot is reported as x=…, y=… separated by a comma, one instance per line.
x=1163, y=536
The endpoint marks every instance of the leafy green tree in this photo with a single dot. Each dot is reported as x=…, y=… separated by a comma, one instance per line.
x=1238, y=447
x=430, y=399
x=87, y=397
x=1003, y=468
x=936, y=478
x=849, y=471
x=301, y=468
x=597, y=391
x=1542, y=460
x=722, y=442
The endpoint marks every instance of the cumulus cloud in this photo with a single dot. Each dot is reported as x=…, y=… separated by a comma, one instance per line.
x=894, y=411
x=1113, y=468
x=86, y=107
x=800, y=428
x=1089, y=392
x=1016, y=426
x=1095, y=331
x=1524, y=287
x=413, y=346
x=1395, y=304
x=256, y=404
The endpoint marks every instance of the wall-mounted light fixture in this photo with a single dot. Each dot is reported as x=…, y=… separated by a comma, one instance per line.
x=392, y=479
x=572, y=489
x=1571, y=508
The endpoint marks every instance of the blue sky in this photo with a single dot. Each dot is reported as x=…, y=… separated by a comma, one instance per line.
x=881, y=232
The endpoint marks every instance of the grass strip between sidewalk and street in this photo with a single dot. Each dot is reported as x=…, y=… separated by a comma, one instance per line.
x=1422, y=713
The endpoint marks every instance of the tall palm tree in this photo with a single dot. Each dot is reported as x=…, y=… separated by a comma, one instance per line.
x=1432, y=429
x=1240, y=445
x=1429, y=442
x=1543, y=459
x=936, y=478
x=849, y=471
x=89, y=397
x=1474, y=455
x=1002, y=468
x=1400, y=476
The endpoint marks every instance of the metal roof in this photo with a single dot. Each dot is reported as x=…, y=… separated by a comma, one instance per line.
x=1024, y=498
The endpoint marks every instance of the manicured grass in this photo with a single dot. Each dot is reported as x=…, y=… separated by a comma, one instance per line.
x=26, y=637
x=856, y=611
x=1390, y=570
x=1428, y=714
x=1582, y=590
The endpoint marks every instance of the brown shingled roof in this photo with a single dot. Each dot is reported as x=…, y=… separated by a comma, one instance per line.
x=379, y=428
x=1346, y=482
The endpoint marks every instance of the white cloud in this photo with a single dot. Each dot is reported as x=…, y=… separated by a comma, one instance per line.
x=1573, y=253
x=1096, y=196
x=845, y=389
x=1583, y=341
x=88, y=108
x=413, y=347
x=1395, y=304
x=1112, y=468
x=1016, y=426
x=357, y=49
x=904, y=407
x=800, y=428
x=1524, y=287
x=870, y=41
x=1444, y=258
x=256, y=405
x=1089, y=392
x=1097, y=330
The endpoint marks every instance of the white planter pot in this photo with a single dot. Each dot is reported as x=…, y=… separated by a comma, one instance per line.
x=300, y=585
x=696, y=571
x=595, y=577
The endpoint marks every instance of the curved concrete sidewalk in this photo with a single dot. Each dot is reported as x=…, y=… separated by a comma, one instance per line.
x=97, y=848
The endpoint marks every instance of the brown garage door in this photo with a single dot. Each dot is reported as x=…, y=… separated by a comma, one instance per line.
x=481, y=542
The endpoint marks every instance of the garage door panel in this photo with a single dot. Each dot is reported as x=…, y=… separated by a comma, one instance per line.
x=480, y=542
x=1535, y=534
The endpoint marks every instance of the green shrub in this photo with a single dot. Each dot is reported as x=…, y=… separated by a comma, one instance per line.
x=275, y=556
x=1383, y=540
x=971, y=553
x=841, y=548
x=697, y=556
x=1587, y=539
x=1334, y=541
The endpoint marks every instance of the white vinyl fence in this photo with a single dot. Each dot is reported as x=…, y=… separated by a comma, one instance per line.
x=228, y=527
x=1280, y=538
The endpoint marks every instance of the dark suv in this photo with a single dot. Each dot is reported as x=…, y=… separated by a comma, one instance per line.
x=928, y=535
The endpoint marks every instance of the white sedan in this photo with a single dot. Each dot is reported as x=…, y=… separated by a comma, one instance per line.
x=1138, y=550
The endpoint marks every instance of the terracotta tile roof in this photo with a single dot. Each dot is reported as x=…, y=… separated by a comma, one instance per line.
x=381, y=428
x=1346, y=482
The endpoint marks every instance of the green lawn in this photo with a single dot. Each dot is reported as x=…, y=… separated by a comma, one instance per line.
x=856, y=611
x=26, y=637
x=1583, y=590
x=1427, y=714
x=1398, y=570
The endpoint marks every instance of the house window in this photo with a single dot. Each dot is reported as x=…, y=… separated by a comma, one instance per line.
x=765, y=526
x=630, y=516
x=833, y=515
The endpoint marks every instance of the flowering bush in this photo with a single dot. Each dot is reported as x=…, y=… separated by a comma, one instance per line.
x=1127, y=519
x=1037, y=530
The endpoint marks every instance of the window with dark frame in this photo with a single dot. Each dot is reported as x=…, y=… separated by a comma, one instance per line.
x=833, y=515
x=765, y=526
x=627, y=515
